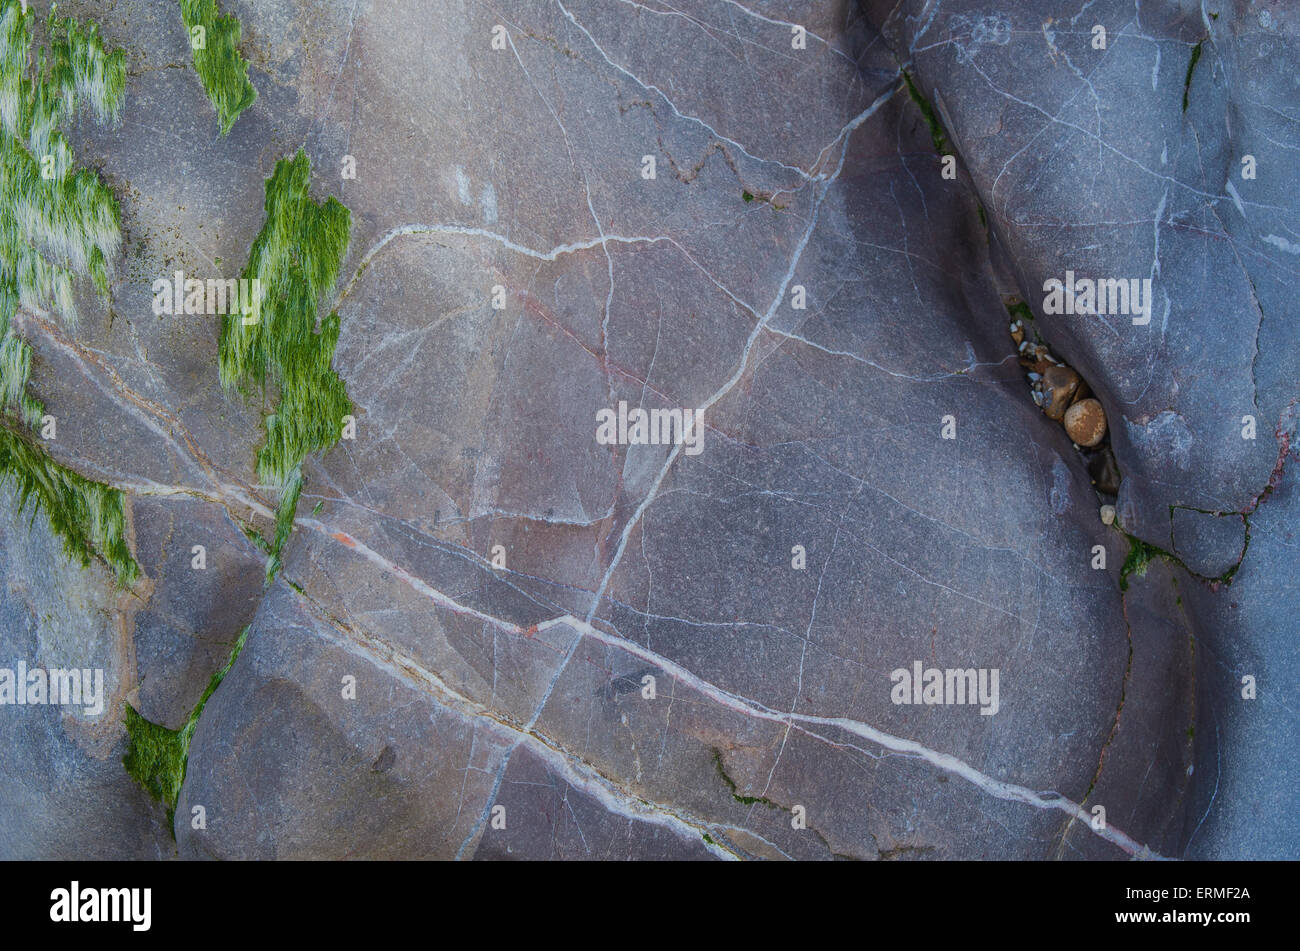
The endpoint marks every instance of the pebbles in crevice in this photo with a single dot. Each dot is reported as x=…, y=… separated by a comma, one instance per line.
x=1065, y=397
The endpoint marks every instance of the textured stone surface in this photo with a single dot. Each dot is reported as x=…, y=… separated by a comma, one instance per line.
x=63, y=791
x=480, y=686
x=1087, y=161
x=1245, y=748
x=1208, y=544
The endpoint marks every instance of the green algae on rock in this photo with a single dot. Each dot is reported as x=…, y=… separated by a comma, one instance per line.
x=156, y=757
x=89, y=517
x=296, y=259
x=56, y=225
x=214, y=39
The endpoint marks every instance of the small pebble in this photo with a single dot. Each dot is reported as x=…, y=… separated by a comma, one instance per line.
x=1085, y=422
x=1108, y=515
x=1060, y=384
x=1104, y=471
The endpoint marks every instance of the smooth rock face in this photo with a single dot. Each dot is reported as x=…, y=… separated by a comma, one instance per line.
x=193, y=615
x=695, y=654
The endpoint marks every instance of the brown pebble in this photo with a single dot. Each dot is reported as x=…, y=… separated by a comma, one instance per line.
x=1104, y=471
x=1059, y=385
x=1036, y=366
x=1085, y=422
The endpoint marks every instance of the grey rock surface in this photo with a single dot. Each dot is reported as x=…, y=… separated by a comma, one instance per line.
x=1245, y=792
x=63, y=791
x=1208, y=543
x=501, y=710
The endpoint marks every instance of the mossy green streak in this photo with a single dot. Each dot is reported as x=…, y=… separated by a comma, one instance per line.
x=157, y=757
x=937, y=134
x=296, y=258
x=221, y=68
x=57, y=224
x=87, y=516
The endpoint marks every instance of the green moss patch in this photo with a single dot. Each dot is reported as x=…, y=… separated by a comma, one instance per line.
x=157, y=757
x=1140, y=556
x=296, y=259
x=221, y=68
x=87, y=516
x=57, y=224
